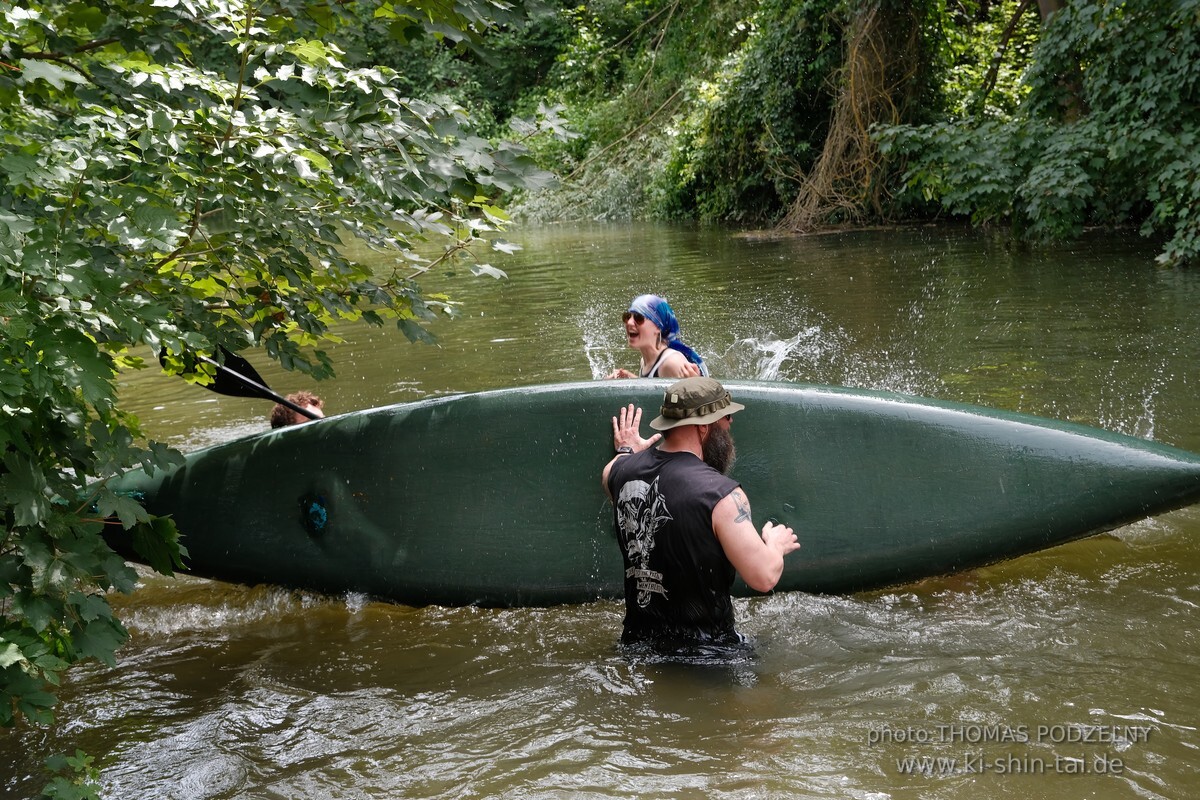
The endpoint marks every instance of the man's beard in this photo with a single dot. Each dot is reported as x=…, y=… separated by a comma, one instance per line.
x=718, y=449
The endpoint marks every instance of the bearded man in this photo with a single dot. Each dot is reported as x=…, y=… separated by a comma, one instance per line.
x=684, y=525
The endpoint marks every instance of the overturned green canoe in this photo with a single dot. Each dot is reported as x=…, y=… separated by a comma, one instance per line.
x=495, y=498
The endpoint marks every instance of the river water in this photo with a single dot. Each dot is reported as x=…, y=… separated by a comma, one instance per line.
x=1067, y=673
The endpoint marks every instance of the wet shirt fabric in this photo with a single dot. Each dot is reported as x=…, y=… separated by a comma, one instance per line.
x=677, y=577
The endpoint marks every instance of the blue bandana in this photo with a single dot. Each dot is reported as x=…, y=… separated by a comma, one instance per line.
x=658, y=311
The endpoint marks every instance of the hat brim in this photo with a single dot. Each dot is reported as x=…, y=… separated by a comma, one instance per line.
x=661, y=423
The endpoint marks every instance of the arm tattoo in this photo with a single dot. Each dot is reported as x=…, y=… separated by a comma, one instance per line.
x=743, y=506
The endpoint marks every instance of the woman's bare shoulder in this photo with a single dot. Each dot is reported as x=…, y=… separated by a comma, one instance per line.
x=676, y=365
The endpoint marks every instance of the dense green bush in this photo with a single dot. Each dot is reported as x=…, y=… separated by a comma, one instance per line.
x=1106, y=136
x=488, y=73
x=758, y=121
x=687, y=110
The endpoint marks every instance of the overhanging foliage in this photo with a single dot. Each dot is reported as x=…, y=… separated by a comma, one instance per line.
x=182, y=175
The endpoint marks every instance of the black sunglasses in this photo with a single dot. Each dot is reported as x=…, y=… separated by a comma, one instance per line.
x=637, y=318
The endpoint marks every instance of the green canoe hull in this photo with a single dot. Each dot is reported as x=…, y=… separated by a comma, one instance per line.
x=495, y=498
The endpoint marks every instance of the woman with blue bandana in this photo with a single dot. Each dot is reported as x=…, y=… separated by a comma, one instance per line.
x=653, y=331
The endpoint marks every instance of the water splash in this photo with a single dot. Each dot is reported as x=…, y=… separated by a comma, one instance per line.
x=1140, y=425
x=778, y=341
x=1117, y=405
x=599, y=346
x=167, y=607
x=823, y=355
x=771, y=358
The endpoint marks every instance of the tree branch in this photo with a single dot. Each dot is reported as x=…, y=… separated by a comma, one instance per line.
x=993, y=73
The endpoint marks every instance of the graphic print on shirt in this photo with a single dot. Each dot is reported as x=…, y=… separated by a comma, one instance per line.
x=642, y=511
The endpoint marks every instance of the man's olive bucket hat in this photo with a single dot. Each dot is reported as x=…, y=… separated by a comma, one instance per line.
x=694, y=401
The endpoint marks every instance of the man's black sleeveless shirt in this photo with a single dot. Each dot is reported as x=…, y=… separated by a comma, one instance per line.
x=677, y=578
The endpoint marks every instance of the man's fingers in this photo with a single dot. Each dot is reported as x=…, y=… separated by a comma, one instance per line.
x=630, y=416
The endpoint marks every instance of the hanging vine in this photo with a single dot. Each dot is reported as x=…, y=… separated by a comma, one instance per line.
x=883, y=57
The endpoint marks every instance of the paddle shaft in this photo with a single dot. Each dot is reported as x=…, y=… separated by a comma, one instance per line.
x=258, y=387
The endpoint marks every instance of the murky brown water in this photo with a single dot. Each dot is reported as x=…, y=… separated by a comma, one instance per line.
x=1068, y=673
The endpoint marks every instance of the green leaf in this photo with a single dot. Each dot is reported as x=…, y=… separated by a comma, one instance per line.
x=414, y=332
x=76, y=777
x=48, y=71
x=37, y=610
x=127, y=509
x=91, y=607
x=158, y=543
x=10, y=654
x=487, y=269
x=319, y=161
x=36, y=706
x=98, y=639
x=310, y=52
x=80, y=358
x=12, y=232
x=24, y=487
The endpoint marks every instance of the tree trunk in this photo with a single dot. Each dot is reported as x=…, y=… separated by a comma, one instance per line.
x=989, y=81
x=1048, y=7
x=1071, y=103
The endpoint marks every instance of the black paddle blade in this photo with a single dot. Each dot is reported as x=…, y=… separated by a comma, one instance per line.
x=237, y=378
